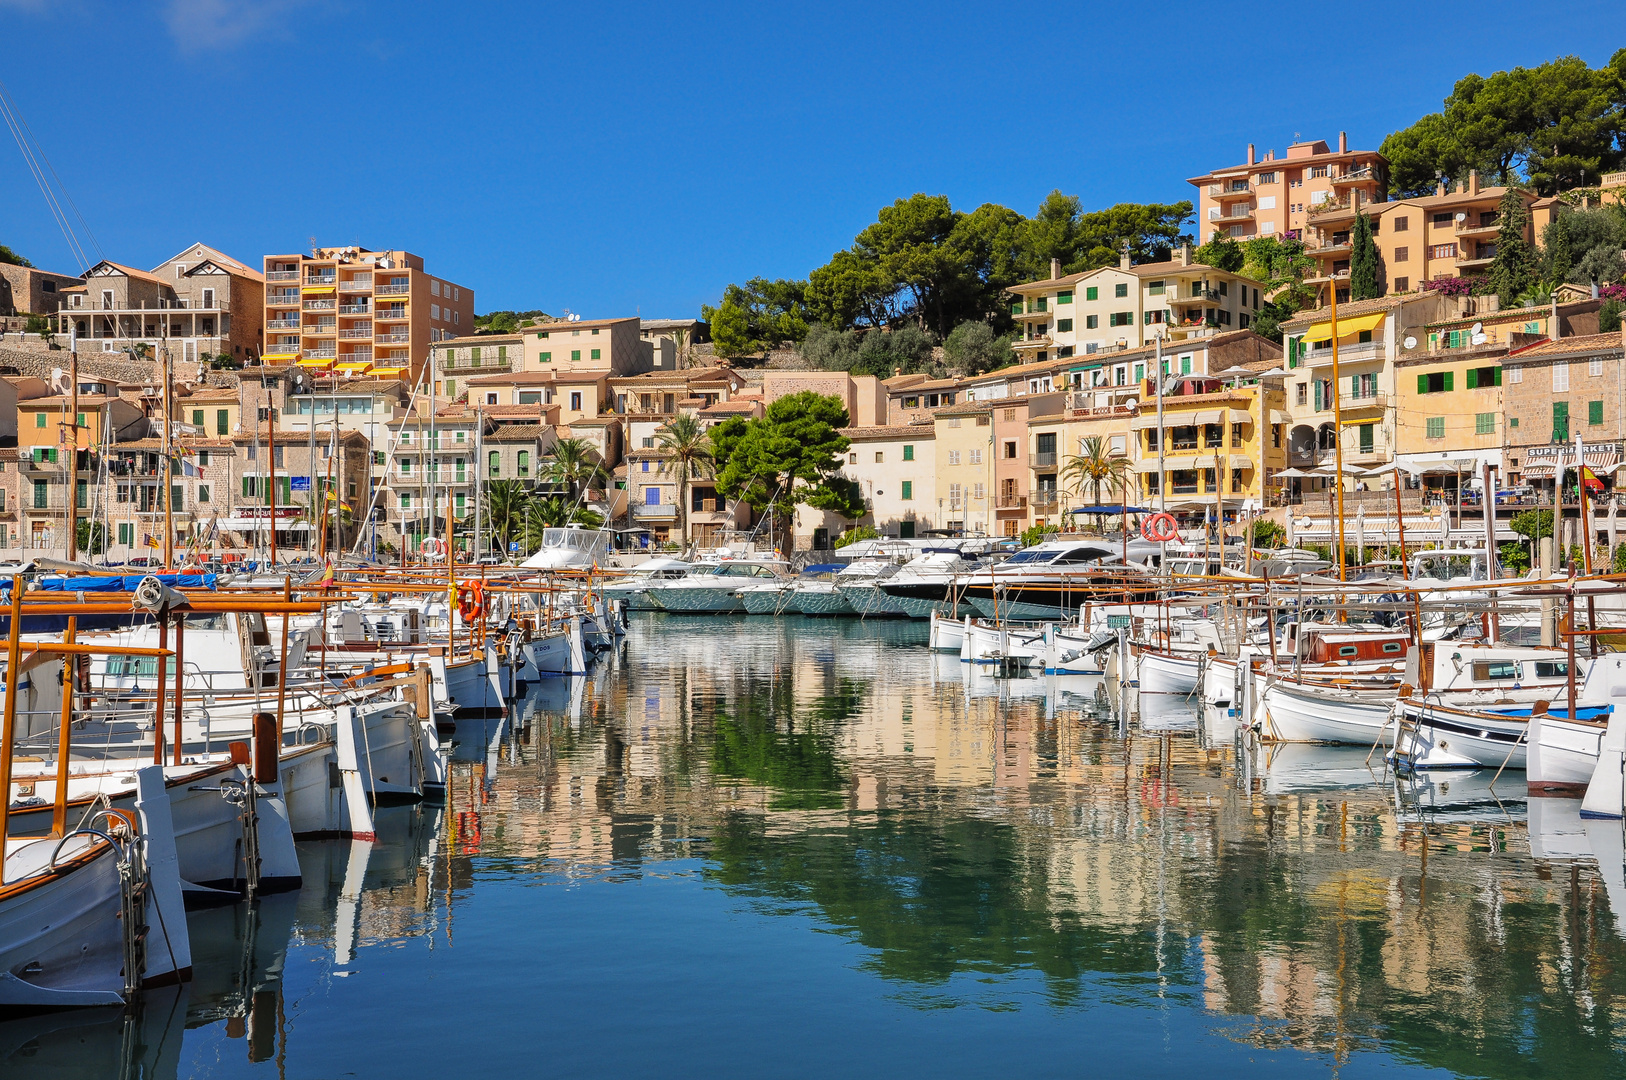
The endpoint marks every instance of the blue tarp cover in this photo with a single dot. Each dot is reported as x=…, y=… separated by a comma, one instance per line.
x=127, y=582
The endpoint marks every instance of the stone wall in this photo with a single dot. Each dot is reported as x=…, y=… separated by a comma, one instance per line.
x=39, y=363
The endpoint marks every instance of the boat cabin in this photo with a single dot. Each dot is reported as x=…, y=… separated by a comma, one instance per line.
x=1319, y=643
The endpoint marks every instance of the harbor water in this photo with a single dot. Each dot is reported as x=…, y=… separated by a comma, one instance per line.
x=765, y=847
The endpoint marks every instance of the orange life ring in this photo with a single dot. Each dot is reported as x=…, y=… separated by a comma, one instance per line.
x=1160, y=528
x=471, y=601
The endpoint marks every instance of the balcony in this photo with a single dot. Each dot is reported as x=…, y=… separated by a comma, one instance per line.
x=1472, y=228
x=663, y=512
x=1233, y=189
x=1348, y=403
x=1337, y=247
x=1045, y=501
x=1330, y=211
x=355, y=309
x=1038, y=341
x=1347, y=354
x=1012, y=502
x=1480, y=261
x=1357, y=176
x=321, y=353
x=357, y=284
x=1045, y=459
x=1036, y=315
x=1232, y=214
x=321, y=279
x=386, y=313
x=282, y=300
x=282, y=275
x=1202, y=296
x=392, y=290
x=282, y=324
x=357, y=332
x=325, y=330
x=395, y=337
x=320, y=305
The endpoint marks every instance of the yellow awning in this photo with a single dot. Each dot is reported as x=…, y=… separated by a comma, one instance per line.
x=278, y=355
x=317, y=288
x=354, y=365
x=1346, y=327
x=387, y=370
x=316, y=361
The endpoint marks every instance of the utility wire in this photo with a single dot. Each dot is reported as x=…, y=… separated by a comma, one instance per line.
x=34, y=156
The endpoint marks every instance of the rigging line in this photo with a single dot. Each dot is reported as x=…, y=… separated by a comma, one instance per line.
x=7, y=110
x=64, y=187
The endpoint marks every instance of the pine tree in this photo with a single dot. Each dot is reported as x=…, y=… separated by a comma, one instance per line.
x=1363, y=262
x=1513, y=271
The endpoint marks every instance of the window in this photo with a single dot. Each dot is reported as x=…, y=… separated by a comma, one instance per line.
x=1318, y=170
x=404, y=466
x=1010, y=448
x=1092, y=322
x=576, y=399
x=1436, y=427
x=530, y=397
x=451, y=388
x=197, y=418
x=1155, y=288
x=1442, y=221
x=127, y=539
x=546, y=358
x=1561, y=378
x=524, y=463
x=491, y=398
x=878, y=456
x=1064, y=326
x=978, y=492
x=575, y=354
x=175, y=497
x=1121, y=318
x=1402, y=284
x=954, y=496
x=1561, y=421
x=648, y=442
x=203, y=493
x=909, y=453
x=1092, y=293
x=1401, y=224
x=1594, y=369
x=594, y=354
x=652, y=496
x=1443, y=251
x=39, y=419
x=1482, y=377
x=908, y=489
x=1402, y=254
x=975, y=456
x=1120, y=290
x=852, y=459
x=1594, y=412
x=1435, y=382
x=1485, y=423
x=1064, y=298
x=494, y=463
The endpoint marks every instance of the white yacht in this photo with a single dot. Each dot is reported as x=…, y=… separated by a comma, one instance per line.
x=717, y=592
x=571, y=548
x=634, y=584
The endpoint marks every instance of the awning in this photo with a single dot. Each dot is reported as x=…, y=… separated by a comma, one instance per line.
x=353, y=365
x=1346, y=327
x=1207, y=416
x=317, y=289
x=259, y=525
x=1143, y=422
x=316, y=361
x=279, y=355
x=1279, y=417
x=387, y=371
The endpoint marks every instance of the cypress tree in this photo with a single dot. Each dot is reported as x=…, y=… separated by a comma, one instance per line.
x=1363, y=262
x=1513, y=271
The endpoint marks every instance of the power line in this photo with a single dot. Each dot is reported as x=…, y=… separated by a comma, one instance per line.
x=53, y=189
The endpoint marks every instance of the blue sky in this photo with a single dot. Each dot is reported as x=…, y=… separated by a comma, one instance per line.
x=635, y=158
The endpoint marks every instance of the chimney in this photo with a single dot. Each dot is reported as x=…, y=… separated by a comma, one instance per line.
x=1473, y=181
x=1055, y=269
x=1343, y=142
x=1439, y=186
x=1185, y=254
x=1270, y=155
x=1462, y=187
x=1251, y=158
x=1123, y=257
x=1557, y=329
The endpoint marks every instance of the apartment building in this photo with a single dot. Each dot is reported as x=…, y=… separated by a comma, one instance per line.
x=354, y=310
x=1451, y=233
x=1271, y=196
x=1125, y=307
x=1221, y=440
x=896, y=468
x=1556, y=392
x=130, y=495
x=911, y=399
x=61, y=467
x=964, y=449
x=1448, y=406
x=434, y=463
x=25, y=290
x=198, y=303
x=1373, y=337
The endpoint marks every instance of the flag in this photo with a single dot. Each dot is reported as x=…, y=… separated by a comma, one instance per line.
x=1590, y=479
x=150, y=540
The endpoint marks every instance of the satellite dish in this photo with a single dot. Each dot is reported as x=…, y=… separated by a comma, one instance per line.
x=1410, y=342
x=1477, y=328
x=1461, y=216
x=1478, y=339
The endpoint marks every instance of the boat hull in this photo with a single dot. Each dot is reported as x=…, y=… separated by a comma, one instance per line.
x=1305, y=713
x=1165, y=673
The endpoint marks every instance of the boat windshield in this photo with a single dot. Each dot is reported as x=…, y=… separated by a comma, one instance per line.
x=1031, y=557
x=1444, y=566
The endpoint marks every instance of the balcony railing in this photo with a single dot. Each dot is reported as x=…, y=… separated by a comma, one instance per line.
x=1013, y=502
x=357, y=332
x=282, y=275
x=320, y=305
x=1466, y=228
x=387, y=313
x=323, y=329
x=1044, y=500
x=1355, y=176
x=1235, y=188
x=355, y=309
x=1330, y=206
x=357, y=284
x=321, y=279
x=662, y=512
x=1044, y=459
x=1365, y=401
x=1233, y=213
x=1035, y=342
x=321, y=354
x=282, y=324
x=392, y=290
x=394, y=338
x=282, y=300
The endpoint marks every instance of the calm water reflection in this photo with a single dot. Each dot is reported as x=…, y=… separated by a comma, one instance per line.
x=791, y=848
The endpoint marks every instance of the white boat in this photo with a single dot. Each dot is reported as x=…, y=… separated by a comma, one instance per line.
x=986, y=643
x=858, y=583
x=947, y=634
x=1314, y=713
x=572, y=548
x=920, y=587
x=769, y=598
x=1168, y=673
x=632, y=586
x=717, y=592
x=1072, y=652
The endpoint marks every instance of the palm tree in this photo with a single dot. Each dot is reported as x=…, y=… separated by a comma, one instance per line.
x=506, y=502
x=688, y=454
x=573, y=462
x=552, y=512
x=1095, y=465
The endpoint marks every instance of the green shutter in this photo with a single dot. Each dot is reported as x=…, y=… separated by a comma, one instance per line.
x=222, y=422
x=1448, y=382
x=1594, y=412
x=1473, y=378
x=1064, y=298
x=1561, y=421
x=908, y=453
x=1497, y=377
x=1422, y=384
x=1355, y=386
x=908, y=489
x=1092, y=293
x=595, y=354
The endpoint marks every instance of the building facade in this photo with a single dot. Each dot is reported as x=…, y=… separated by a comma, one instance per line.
x=1271, y=196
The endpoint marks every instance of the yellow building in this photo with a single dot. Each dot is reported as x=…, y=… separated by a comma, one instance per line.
x=1448, y=405
x=1223, y=441
x=964, y=439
